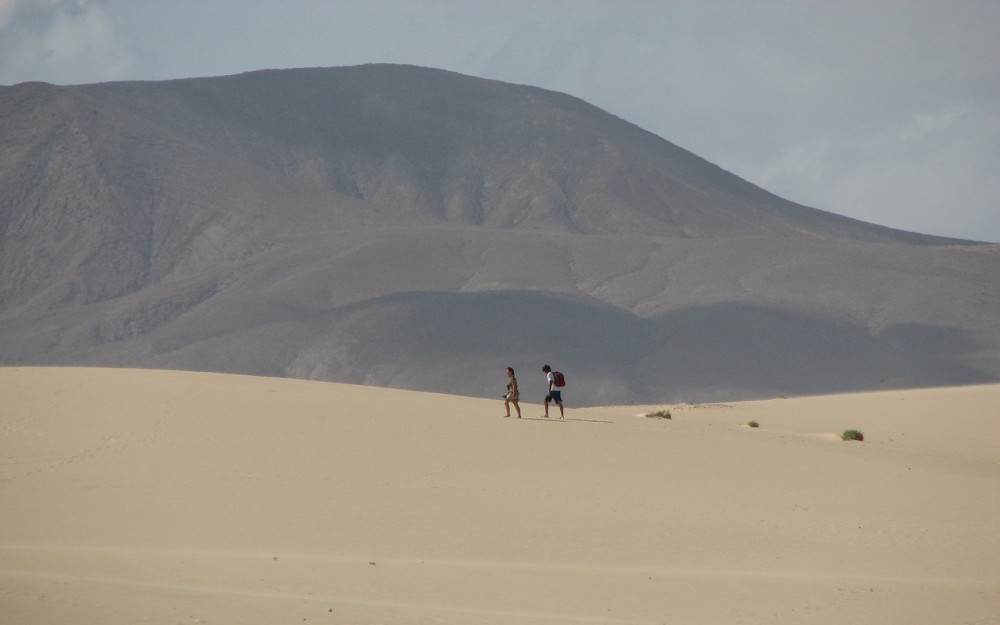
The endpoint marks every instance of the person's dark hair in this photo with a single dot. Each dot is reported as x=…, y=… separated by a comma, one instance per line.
x=546, y=368
x=511, y=369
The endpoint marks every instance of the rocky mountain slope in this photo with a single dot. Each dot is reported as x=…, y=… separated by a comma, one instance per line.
x=410, y=227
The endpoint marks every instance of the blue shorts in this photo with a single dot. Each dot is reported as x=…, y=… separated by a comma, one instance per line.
x=555, y=396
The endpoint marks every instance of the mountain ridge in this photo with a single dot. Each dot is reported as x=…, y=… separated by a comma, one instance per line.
x=157, y=224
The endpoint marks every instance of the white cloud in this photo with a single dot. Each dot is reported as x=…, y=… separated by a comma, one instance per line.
x=933, y=172
x=936, y=173
x=60, y=41
x=7, y=8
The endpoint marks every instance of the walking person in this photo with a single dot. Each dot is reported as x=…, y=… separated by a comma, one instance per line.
x=553, y=390
x=512, y=395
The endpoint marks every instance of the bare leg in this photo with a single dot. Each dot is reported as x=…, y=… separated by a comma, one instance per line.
x=562, y=415
x=517, y=407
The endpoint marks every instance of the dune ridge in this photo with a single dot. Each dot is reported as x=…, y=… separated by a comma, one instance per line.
x=179, y=497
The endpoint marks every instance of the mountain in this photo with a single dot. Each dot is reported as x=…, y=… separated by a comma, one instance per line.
x=417, y=228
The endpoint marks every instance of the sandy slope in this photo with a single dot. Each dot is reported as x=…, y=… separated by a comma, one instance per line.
x=172, y=497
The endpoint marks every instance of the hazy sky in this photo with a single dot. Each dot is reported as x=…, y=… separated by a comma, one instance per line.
x=887, y=111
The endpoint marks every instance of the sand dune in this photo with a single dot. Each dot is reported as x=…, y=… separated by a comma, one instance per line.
x=176, y=497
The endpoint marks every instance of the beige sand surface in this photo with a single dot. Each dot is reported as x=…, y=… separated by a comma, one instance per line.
x=173, y=498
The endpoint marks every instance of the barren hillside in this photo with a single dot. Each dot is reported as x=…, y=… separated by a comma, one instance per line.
x=417, y=228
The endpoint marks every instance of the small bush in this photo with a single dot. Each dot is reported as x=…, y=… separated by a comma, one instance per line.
x=659, y=414
x=753, y=424
x=852, y=435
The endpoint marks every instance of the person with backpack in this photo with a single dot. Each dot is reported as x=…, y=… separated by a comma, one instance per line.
x=555, y=381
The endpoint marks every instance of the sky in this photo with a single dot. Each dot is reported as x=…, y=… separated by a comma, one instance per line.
x=882, y=110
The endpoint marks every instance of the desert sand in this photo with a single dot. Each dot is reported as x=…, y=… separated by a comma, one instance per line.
x=168, y=497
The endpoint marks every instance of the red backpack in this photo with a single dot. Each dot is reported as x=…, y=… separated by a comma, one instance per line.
x=558, y=379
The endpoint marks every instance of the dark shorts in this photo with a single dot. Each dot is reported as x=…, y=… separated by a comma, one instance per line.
x=555, y=396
